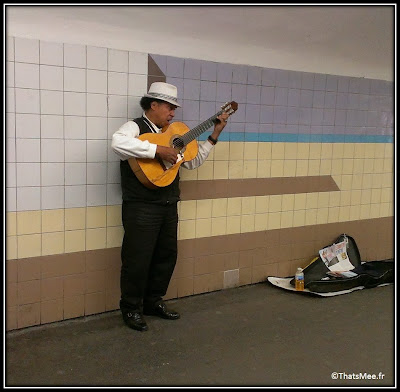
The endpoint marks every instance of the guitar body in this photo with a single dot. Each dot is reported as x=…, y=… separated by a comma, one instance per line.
x=154, y=173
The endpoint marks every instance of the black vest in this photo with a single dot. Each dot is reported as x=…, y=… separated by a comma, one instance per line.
x=134, y=190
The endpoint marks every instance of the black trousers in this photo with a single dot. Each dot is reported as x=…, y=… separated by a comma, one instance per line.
x=149, y=252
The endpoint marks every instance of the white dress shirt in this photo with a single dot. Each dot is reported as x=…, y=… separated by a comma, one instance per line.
x=126, y=144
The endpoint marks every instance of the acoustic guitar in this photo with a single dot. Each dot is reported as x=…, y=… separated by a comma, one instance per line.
x=154, y=173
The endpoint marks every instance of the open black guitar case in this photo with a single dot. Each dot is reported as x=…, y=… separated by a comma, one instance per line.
x=369, y=274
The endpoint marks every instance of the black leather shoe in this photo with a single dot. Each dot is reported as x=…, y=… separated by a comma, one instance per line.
x=161, y=310
x=135, y=321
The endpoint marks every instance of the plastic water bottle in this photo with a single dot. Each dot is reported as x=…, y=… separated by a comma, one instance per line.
x=299, y=279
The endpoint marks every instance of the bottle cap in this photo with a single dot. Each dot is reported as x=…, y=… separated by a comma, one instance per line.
x=299, y=269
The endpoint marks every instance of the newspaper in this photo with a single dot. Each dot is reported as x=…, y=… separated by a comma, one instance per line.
x=335, y=257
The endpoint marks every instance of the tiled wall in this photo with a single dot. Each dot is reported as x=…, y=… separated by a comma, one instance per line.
x=306, y=157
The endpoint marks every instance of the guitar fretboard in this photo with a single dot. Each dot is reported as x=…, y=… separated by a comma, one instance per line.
x=199, y=129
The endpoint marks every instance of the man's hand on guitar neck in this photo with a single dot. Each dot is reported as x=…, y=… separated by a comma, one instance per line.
x=168, y=154
x=220, y=125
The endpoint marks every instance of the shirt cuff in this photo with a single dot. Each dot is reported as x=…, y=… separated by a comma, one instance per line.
x=152, y=150
x=208, y=146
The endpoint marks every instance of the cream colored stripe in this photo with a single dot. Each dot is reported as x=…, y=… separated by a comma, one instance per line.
x=363, y=173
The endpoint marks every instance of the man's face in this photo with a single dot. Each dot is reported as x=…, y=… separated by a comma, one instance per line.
x=162, y=113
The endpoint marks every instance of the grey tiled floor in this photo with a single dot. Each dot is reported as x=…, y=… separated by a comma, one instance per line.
x=257, y=335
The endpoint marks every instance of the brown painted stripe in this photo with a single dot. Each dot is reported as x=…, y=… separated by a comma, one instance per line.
x=215, y=189
x=257, y=255
x=363, y=231
x=311, y=238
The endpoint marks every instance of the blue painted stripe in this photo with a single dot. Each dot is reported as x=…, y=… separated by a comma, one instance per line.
x=265, y=137
x=299, y=138
x=251, y=137
x=285, y=137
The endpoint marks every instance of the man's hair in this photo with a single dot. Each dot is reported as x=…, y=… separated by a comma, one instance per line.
x=145, y=102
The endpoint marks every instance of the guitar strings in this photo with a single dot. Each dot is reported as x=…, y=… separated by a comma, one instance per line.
x=199, y=129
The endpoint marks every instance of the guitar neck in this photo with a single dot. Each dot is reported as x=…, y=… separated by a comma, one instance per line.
x=199, y=129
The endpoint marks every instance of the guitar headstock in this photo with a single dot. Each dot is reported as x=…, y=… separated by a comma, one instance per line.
x=229, y=107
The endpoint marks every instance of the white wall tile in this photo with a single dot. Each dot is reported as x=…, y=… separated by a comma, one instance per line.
x=138, y=63
x=75, y=127
x=52, y=126
x=28, y=174
x=51, y=102
x=28, y=150
x=96, y=128
x=96, y=58
x=74, y=79
x=75, y=173
x=113, y=173
x=27, y=126
x=10, y=79
x=111, y=155
x=97, y=150
x=117, y=60
x=96, y=81
x=75, y=196
x=52, y=174
x=137, y=85
x=10, y=100
x=27, y=75
x=117, y=83
x=10, y=49
x=52, y=150
x=51, y=53
x=27, y=101
x=28, y=198
x=52, y=197
x=114, y=124
x=75, y=104
x=97, y=105
x=74, y=55
x=97, y=173
x=11, y=199
x=51, y=77
x=134, y=109
x=75, y=150
x=27, y=50
x=114, y=194
x=10, y=149
x=11, y=175
x=10, y=124
x=96, y=195
x=117, y=106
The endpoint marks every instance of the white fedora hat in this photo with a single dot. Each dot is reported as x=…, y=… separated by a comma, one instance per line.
x=163, y=91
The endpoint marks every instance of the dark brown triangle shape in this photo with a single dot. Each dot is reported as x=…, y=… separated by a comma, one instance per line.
x=154, y=72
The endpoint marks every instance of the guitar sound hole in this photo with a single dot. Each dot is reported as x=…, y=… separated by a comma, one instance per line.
x=178, y=143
